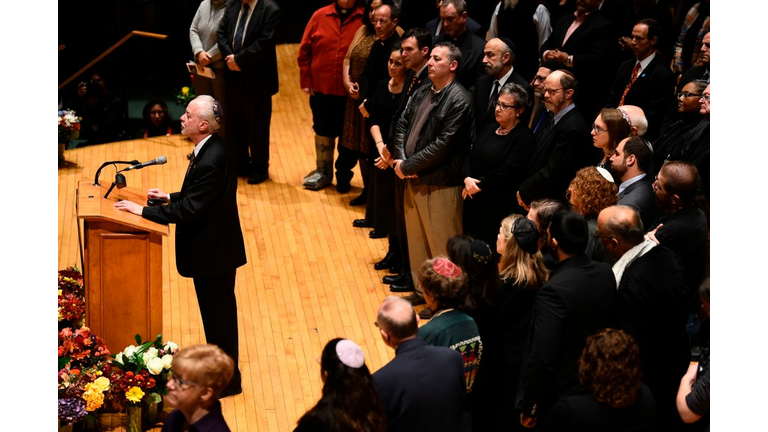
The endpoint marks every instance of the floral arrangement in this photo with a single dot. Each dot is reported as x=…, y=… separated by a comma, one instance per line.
x=69, y=125
x=185, y=95
x=81, y=349
x=82, y=386
x=142, y=371
x=71, y=296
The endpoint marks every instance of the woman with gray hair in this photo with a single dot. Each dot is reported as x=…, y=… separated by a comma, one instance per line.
x=495, y=166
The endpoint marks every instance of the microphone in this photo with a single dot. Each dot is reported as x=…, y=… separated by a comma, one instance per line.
x=159, y=161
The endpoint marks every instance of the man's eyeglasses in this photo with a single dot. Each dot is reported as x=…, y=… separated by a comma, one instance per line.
x=538, y=78
x=552, y=91
x=705, y=96
x=502, y=106
x=686, y=95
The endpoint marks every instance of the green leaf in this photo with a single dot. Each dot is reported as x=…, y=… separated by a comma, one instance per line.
x=154, y=397
x=63, y=362
x=138, y=339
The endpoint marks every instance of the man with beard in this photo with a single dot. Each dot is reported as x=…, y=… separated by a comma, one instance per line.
x=563, y=144
x=630, y=163
x=539, y=114
x=498, y=62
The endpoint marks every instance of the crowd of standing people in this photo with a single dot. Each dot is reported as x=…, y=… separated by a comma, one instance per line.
x=561, y=266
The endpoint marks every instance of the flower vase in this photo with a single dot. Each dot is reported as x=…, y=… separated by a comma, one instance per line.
x=65, y=427
x=62, y=161
x=133, y=422
x=150, y=411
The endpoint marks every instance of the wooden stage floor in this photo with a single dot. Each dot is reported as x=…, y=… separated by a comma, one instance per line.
x=309, y=276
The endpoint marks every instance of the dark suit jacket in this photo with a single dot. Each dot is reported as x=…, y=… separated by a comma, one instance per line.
x=422, y=388
x=472, y=26
x=686, y=233
x=555, y=161
x=471, y=67
x=576, y=302
x=481, y=94
x=640, y=195
x=209, y=240
x=594, y=49
x=653, y=91
x=651, y=307
x=694, y=73
x=257, y=57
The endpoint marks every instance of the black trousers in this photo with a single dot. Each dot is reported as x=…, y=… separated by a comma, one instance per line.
x=248, y=118
x=218, y=308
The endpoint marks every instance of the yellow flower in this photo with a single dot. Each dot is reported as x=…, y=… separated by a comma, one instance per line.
x=185, y=91
x=93, y=399
x=101, y=384
x=134, y=394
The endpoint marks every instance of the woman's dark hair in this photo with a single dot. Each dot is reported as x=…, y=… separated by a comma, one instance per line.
x=610, y=368
x=150, y=129
x=477, y=261
x=367, y=18
x=571, y=232
x=349, y=399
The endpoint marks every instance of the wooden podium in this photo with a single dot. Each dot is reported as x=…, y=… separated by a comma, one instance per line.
x=122, y=267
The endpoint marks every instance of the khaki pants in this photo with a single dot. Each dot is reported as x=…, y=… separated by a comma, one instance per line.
x=432, y=216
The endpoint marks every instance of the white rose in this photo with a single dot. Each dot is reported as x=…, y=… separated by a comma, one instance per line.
x=155, y=366
x=167, y=360
x=149, y=355
x=119, y=358
x=130, y=351
x=171, y=347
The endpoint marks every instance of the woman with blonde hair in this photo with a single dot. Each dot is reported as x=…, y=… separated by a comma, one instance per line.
x=522, y=272
x=200, y=373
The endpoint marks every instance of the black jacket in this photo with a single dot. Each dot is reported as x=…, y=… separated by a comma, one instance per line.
x=209, y=240
x=445, y=137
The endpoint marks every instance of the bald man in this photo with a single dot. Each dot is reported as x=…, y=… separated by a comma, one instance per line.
x=423, y=386
x=650, y=303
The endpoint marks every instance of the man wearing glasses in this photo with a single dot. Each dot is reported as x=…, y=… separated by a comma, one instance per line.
x=563, y=144
x=645, y=81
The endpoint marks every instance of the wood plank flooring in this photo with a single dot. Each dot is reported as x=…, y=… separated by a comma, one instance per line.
x=309, y=276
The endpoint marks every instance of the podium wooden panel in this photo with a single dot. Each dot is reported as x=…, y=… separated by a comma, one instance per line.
x=122, y=267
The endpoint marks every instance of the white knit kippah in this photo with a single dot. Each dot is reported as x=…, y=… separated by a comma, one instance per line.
x=350, y=353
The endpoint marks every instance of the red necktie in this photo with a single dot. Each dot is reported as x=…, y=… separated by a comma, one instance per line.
x=631, y=81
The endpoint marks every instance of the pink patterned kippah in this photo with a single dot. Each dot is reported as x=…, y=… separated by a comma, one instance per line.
x=446, y=268
x=350, y=353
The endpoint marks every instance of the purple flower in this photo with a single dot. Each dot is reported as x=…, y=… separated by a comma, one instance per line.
x=71, y=410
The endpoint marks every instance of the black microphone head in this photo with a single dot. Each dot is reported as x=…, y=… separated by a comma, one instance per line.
x=161, y=160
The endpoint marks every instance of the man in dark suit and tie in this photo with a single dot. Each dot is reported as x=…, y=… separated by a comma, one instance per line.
x=563, y=144
x=423, y=386
x=498, y=62
x=576, y=302
x=209, y=241
x=630, y=163
x=246, y=43
x=586, y=42
x=645, y=81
